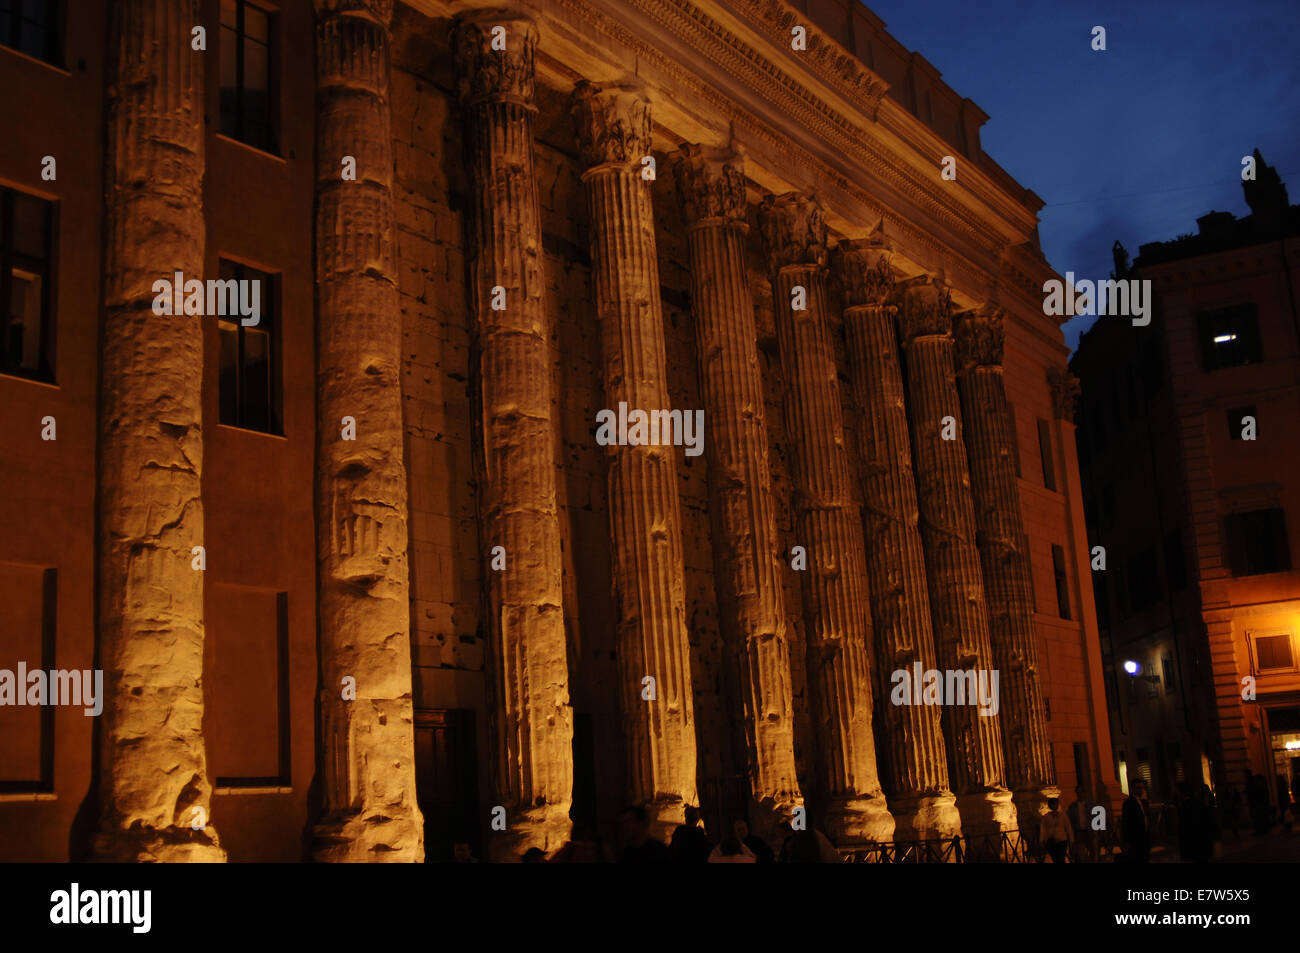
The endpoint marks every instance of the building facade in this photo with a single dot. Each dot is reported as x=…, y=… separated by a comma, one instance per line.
x=396, y=557
x=1187, y=443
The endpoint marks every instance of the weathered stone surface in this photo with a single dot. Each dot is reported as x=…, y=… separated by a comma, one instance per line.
x=711, y=188
x=919, y=796
x=613, y=126
x=368, y=774
x=517, y=493
x=154, y=788
x=947, y=521
x=837, y=603
x=1004, y=556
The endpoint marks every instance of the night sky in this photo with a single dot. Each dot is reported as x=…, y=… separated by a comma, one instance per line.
x=1131, y=144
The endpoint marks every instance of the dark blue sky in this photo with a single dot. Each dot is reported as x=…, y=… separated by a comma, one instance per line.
x=1131, y=144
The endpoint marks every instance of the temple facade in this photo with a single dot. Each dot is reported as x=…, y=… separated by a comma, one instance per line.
x=545, y=409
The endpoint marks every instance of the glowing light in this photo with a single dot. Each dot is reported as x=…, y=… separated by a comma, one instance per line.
x=1292, y=745
x=1225, y=338
x=1131, y=667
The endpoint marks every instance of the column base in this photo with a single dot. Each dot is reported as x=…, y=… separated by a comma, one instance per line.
x=368, y=840
x=768, y=819
x=665, y=817
x=1031, y=804
x=986, y=813
x=546, y=827
x=855, y=820
x=170, y=845
x=932, y=817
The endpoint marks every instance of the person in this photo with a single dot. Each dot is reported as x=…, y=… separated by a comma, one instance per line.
x=634, y=833
x=1080, y=815
x=462, y=853
x=690, y=844
x=1136, y=827
x=1103, y=835
x=1257, y=798
x=533, y=855
x=583, y=847
x=809, y=846
x=1193, y=828
x=1284, y=803
x=757, y=846
x=1055, y=832
x=732, y=851
x=1213, y=830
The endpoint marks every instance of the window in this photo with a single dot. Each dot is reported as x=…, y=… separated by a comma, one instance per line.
x=1237, y=421
x=247, y=74
x=1045, y=452
x=32, y=27
x=1062, y=585
x=1273, y=653
x=1257, y=542
x=249, y=382
x=26, y=319
x=1171, y=679
x=1175, y=560
x=1144, y=765
x=1229, y=337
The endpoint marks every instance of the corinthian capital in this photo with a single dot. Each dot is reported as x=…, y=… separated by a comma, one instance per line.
x=613, y=123
x=861, y=266
x=925, y=308
x=494, y=57
x=710, y=183
x=1065, y=392
x=978, y=335
x=793, y=230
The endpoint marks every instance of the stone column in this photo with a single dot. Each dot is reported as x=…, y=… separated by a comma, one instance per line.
x=369, y=810
x=837, y=602
x=947, y=520
x=1004, y=556
x=923, y=806
x=153, y=779
x=518, y=512
x=711, y=187
x=613, y=127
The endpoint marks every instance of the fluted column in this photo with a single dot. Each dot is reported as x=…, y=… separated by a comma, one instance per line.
x=837, y=602
x=153, y=778
x=947, y=520
x=658, y=734
x=711, y=187
x=919, y=796
x=533, y=763
x=369, y=809
x=1004, y=555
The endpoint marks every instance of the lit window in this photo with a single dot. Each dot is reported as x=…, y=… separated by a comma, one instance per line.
x=1229, y=337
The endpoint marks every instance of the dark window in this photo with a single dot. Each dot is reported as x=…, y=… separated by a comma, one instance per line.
x=1273, y=652
x=1062, y=585
x=32, y=27
x=26, y=318
x=1257, y=542
x=1143, y=581
x=1229, y=337
x=1175, y=560
x=1082, y=771
x=1237, y=421
x=1171, y=677
x=249, y=388
x=1045, y=452
x=248, y=74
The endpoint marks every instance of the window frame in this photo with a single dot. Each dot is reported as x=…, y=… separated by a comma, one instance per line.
x=269, y=321
x=1213, y=322
x=240, y=134
x=1254, y=635
x=54, y=45
x=9, y=258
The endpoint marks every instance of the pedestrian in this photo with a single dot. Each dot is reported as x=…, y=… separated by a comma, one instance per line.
x=1055, y=831
x=1079, y=814
x=638, y=847
x=757, y=846
x=732, y=851
x=1136, y=825
x=690, y=843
